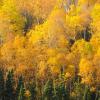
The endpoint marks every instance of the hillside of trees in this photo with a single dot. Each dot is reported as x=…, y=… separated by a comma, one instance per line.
x=49, y=49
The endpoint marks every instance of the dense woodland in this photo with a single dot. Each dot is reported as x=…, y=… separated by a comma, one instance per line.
x=49, y=49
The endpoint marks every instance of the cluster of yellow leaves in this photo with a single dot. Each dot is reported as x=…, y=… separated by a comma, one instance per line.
x=89, y=70
x=76, y=20
x=96, y=18
x=11, y=20
x=37, y=8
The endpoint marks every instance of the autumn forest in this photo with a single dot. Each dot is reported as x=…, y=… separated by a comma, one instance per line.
x=49, y=49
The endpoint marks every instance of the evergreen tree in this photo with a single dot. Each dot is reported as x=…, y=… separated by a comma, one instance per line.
x=20, y=82
x=21, y=93
x=94, y=95
x=61, y=92
x=87, y=94
x=33, y=91
x=48, y=90
x=9, y=86
x=20, y=90
x=1, y=85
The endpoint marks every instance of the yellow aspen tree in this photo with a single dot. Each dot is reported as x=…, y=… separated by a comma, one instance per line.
x=11, y=22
